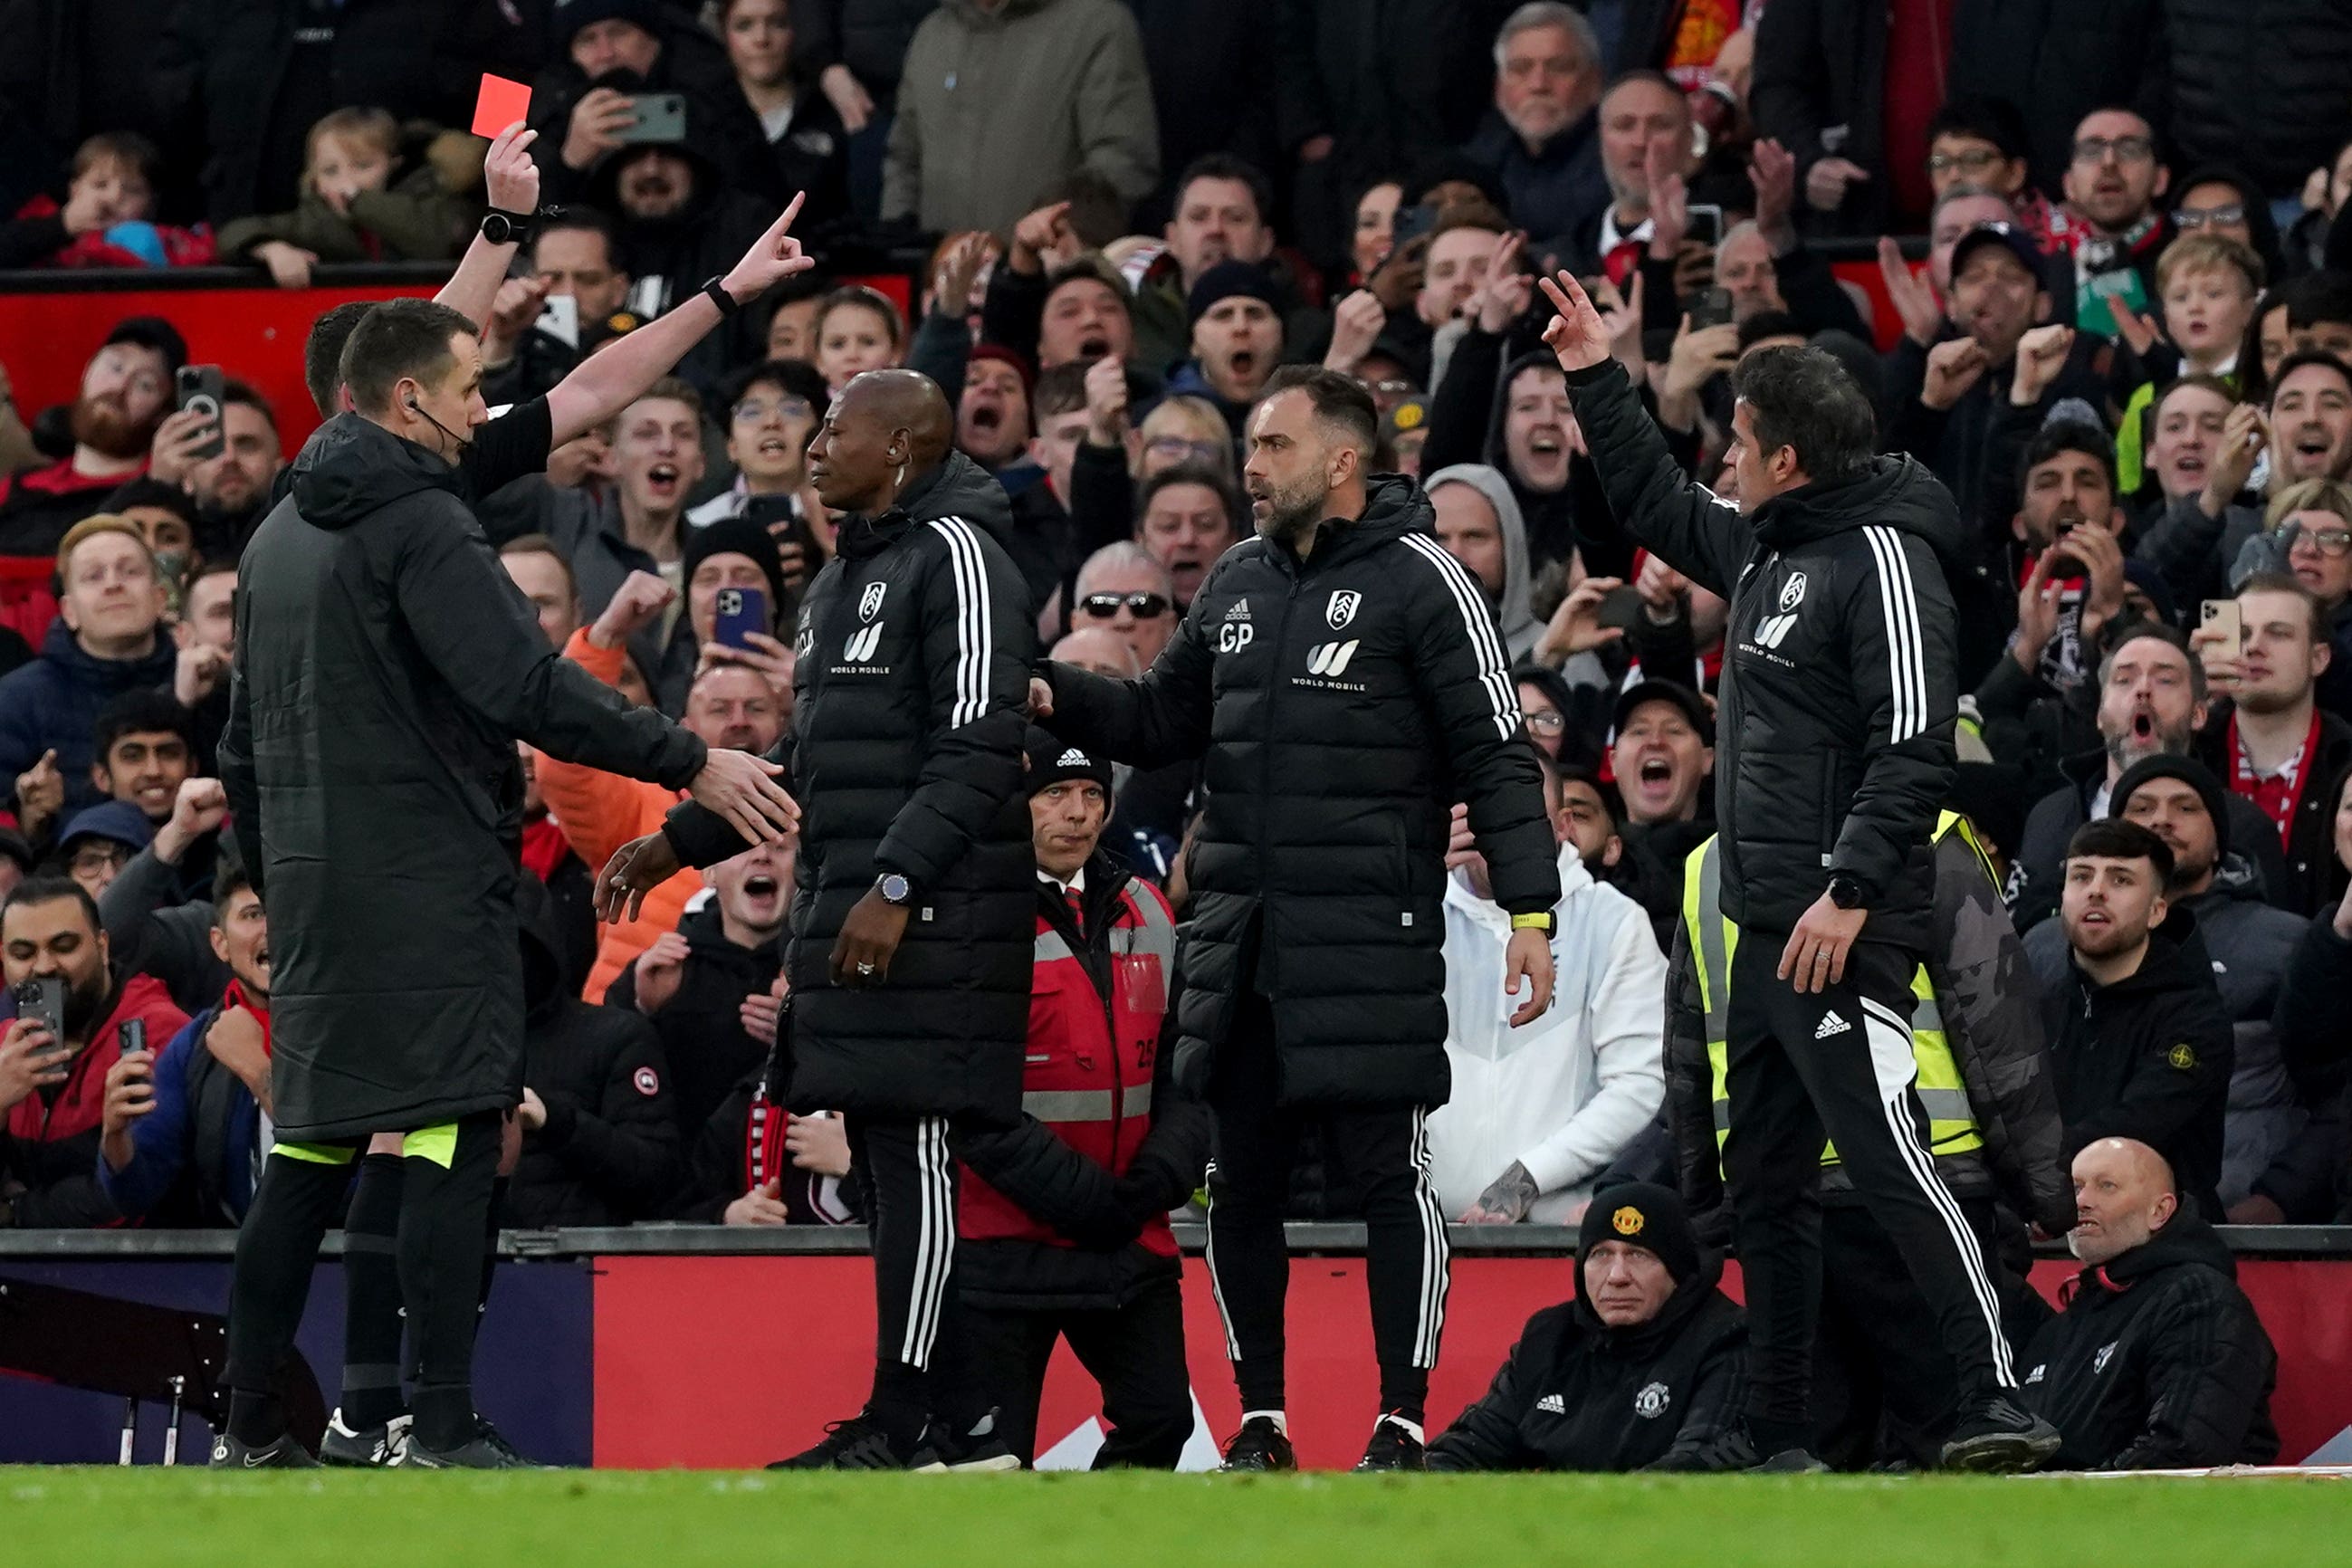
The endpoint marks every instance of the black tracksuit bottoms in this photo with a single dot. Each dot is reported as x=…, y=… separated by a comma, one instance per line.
x=1837, y=1064
x=1381, y=1154
x=1134, y=1352
x=910, y=1187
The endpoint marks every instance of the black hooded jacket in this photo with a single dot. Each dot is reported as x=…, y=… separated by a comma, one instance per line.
x=385, y=667
x=1577, y=1395
x=2149, y=1057
x=915, y=645
x=2157, y=1362
x=701, y=1026
x=691, y=63
x=608, y=1153
x=1345, y=704
x=669, y=258
x=1835, y=719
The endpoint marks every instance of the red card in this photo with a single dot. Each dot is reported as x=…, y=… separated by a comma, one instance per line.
x=501, y=104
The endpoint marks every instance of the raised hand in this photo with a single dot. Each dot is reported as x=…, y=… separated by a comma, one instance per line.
x=172, y=456
x=2041, y=355
x=848, y=97
x=595, y=127
x=1772, y=171
x=959, y=266
x=1826, y=181
x=2245, y=433
x=2139, y=333
x=1106, y=399
x=1578, y=336
x=1953, y=367
x=1356, y=322
x=1502, y=298
x=660, y=969
x=1575, y=627
x=1912, y=298
x=1699, y=356
x=40, y=795
x=200, y=807
x=636, y=604
x=1040, y=236
x=1669, y=199
x=773, y=257
x=509, y=177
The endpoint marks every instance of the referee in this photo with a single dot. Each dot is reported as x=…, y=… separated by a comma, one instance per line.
x=1344, y=676
x=1834, y=754
x=385, y=667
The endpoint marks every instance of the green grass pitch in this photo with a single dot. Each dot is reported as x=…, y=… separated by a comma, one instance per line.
x=154, y=1518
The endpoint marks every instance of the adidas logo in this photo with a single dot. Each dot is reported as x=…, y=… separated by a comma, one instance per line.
x=1552, y=1404
x=1074, y=758
x=1240, y=612
x=1831, y=1024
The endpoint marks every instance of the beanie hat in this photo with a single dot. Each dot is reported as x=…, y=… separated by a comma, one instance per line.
x=1643, y=1214
x=2188, y=771
x=571, y=15
x=1052, y=761
x=738, y=536
x=1003, y=355
x=1227, y=280
x=117, y=820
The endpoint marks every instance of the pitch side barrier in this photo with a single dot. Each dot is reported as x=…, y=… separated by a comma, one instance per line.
x=723, y=1347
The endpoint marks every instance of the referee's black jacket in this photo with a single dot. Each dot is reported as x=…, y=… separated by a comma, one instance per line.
x=1345, y=704
x=1833, y=725
x=914, y=648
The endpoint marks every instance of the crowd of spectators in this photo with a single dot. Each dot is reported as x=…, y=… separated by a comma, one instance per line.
x=2126, y=354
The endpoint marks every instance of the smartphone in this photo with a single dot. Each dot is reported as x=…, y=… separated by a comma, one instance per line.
x=199, y=386
x=1706, y=225
x=1620, y=608
x=2222, y=615
x=1713, y=309
x=741, y=611
x=661, y=117
x=44, y=1002
x=560, y=320
x=1410, y=224
x=131, y=1032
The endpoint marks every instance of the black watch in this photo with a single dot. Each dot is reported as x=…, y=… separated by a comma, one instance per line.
x=895, y=888
x=715, y=291
x=1845, y=892
x=503, y=227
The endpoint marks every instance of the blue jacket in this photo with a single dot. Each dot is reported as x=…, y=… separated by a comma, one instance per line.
x=54, y=703
x=204, y=1128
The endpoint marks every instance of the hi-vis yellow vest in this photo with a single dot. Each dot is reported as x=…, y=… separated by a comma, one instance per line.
x=1951, y=1121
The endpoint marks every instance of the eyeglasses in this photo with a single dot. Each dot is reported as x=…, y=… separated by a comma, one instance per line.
x=2333, y=543
x=755, y=412
x=1545, y=721
x=1974, y=162
x=2125, y=149
x=2188, y=220
x=1178, y=449
x=1145, y=606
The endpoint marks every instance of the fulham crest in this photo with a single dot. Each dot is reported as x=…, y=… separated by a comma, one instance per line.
x=1342, y=607
x=870, y=604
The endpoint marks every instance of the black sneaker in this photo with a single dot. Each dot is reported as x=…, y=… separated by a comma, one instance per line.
x=857, y=1444
x=942, y=1451
x=364, y=1448
x=1392, y=1447
x=484, y=1450
x=1735, y=1451
x=1998, y=1438
x=1259, y=1446
x=282, y=1453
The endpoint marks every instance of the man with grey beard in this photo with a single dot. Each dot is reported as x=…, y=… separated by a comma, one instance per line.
x=2158, y=1361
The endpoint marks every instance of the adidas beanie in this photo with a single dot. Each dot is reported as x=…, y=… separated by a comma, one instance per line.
x=1051, y=762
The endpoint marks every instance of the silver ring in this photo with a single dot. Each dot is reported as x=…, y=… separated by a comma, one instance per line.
x=864, y=969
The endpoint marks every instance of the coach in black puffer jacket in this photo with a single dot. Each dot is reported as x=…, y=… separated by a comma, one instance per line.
x=905, y=753
x=2260, y=84
x=1345, y=704
x=1834, y=730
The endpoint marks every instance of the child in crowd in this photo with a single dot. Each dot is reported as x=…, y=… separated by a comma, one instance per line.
x=350, y=210
x=108, y=218
x=857, y=330
x=2207, y=286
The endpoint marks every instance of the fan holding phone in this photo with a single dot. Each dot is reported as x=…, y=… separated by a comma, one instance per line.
x=734, y=589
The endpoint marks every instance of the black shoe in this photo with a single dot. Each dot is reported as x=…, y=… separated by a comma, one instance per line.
x=1259, y=1446
x=281, y=1453
x=857, y=1444
x=1392, y=1448
x=942, y=1451
x=1735, y=1451
x=364, y=1448
x=1998, y=1438
x=484, y=1450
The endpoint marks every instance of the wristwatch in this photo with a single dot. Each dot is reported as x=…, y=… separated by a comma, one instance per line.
x=715, y=291
x=894, y=887
x=1844, y=891
x=1546, y=922
x=503, y=227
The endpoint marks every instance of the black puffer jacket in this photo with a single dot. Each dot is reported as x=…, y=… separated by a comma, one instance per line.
x=608, y=1153
x=385, y=667
x=2158, y=1362
x=2260, y=84
x=701, y=1026
x=1345, y=704
x=1577, y=1395
x=691, y=63
x=915, y=645
x=1833, y=733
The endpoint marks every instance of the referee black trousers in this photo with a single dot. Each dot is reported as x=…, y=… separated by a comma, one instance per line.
x=1838, y=1064
x=1382, y=1155
x=910, y=1217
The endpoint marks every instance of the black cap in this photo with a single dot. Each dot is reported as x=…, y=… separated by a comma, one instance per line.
x=2188, y=771
x=2010, y=238
x=1693, y=706
x=738, y=536
x=1643, y=1214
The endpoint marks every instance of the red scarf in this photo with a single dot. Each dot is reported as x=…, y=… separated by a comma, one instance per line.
x=234, y=996
x=543, y=847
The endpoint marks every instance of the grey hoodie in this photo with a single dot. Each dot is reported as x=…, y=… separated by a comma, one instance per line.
x=1514, y=615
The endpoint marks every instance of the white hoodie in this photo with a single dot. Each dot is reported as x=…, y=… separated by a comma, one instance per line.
x=1564, y=1095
